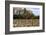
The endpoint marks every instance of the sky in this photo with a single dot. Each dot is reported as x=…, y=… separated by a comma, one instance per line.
x=35, y=11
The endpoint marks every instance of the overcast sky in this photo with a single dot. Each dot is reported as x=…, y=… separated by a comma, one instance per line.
x=35, y=11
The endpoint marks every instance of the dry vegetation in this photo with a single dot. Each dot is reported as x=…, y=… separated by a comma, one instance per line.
x=25, y=22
